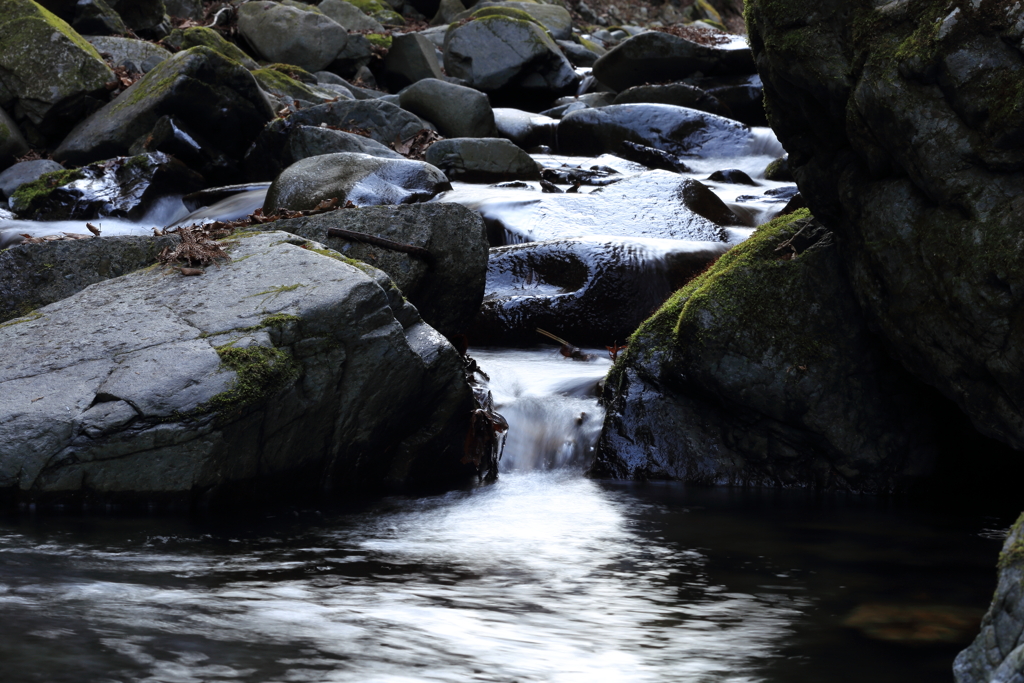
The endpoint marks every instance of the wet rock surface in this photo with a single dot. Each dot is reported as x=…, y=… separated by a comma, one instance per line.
x=482, y=160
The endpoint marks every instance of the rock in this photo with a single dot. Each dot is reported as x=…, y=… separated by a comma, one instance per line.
x=655, y=57
x=34, y=46
x=195, y=86
x=910, y=146
x=676, y=130
x=96, y=17
x=146, y=17
x=553, y=18
x=676, y=94
x=526, y=129
x=135, y=55
x=12, y=142
x=185, y=9
x=577, y=54
x=762, y=371
x=358, y=178
x=286, y=89
x=309, y=141
x=446, y=12
x=199, y=36
x=592, y=291
x=25, y=172
x=248, y=380
x=498, y=53
x=457, y=111
x=997, y=654
x=482, y=160
x=280, y=33
x=779, y=171
x=379, y=12
x=447, y=293
x=350, y=16
x=326, y=78
x=733, y=176
x=410, y=58
x=123, y=187
x=34, y=275
x=744, y=98
x=357, y=53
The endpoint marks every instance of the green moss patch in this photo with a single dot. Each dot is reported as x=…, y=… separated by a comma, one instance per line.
x=34, y=193
x=262, y=372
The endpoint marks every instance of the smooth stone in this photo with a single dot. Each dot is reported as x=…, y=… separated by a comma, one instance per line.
x=199, y=36
x=676, y=94
x=482, y=160
x=457, y=111
x=555, y=19
x=25, y=172
x=12, y=142
x=288, y=35
x=350, y=16
x=410, y=58
x=140, y=54
x=524, y=128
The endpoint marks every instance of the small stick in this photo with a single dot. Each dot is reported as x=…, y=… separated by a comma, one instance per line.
x=382, y=242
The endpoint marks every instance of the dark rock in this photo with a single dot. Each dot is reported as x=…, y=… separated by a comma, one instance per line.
x=779, y=170
x=676, y=94
x=310, y=141
x=25, y=172
x=675, y=130
x=733, y=176
x=281, y=33
x=184, y=9
x=97, y=18
x=135, y=55
x=908, y=142
x=123, y=187
x=448, y=292
x=577, y=54
x=12, y=142
x=352, y=60
x=146, y=17
x=482, y=160
x=744, y=100
x=172, y=136
x=457, y=111
x=594, y=292
x=553, y=18
x=350, y=16
x=286, y=89
x=762, y=371
x=410, y=58
x=652, y=158
x=358, y=178
x=654, y=57
x=524, y=128
x=199, y=36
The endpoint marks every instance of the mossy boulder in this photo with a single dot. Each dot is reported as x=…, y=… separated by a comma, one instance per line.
x=50, y=77
x=137, y=56
x=283, y=370
x=206, y=37
x=379, y=11
x=762, y=371
x=554, y=19
x=281, y=33
x=195, y=86
x=350, y=16
x=288, y=89
x=904, y=125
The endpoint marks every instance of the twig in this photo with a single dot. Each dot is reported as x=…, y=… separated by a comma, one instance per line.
x=383, y=243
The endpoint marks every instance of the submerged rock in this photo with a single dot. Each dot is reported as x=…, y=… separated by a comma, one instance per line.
x=284, y=370
x=762, y=371
x=358, y=178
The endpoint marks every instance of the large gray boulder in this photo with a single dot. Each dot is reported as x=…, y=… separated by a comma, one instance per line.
x=448, y=291
x=195, y=86
x=457, y=111
x=762, y=371
x=526, y=129
x=482, y=160
x=286, y=34
x=350, y=16
x=676, y=130
x=361, y=179
x=554, y=18
x=303, y=142
x=12, y=142
x=997, y=654
x=410, y=58
x=135, y=55
x=284, y=368
x=50, y=77
x=655, y=57
x=498, y=52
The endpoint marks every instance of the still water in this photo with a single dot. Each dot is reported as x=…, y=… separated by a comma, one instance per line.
x=544, y=576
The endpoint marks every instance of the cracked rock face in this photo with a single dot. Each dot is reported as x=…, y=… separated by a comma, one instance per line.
x=285, y=366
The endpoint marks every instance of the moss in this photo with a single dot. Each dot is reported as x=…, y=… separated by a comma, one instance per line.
x=30, y=194
x=1013, y=556
x=330, y=253
x=279, y=289
x=199, y=36
x=379, y=39
x=262, y=372
x=282, y=85
x=380, y=12
x=294, y=72
x=24, y=318
x=510, y=12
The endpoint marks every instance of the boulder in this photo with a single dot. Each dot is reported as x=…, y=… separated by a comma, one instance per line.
x=135, y=55
x=380, y=12
x=577, y=54
x=184, y=9
x=146, y=17
x=247, y=381
x=50, y=77
x=96, y=17
x=501, y=53
x=384, y=122
x=361, y=179
x=655, y=57
x=676, y=94
x=762, y=371
x=526, y=129
x=907, y=139
x=199, y=36
x=743, y=97
x=310, y=141
x=12, y=142
x=195, y=86
x=123, y=187
x=676, y=130
x=997, y=654
x=448, y=291
x=286, y=89
x=350, y=16
x=457, y=111
x=280, y=33
x=595, y=292
x=34, y=275
x=410, y=58
x=25, y=172
x=553, y=18
x=446, y=12
x=482, y=160
x=358, y=52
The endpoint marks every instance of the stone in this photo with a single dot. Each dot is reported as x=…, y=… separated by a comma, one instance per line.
x=286, y=89
x=350, y=16
x=526, y=129
x=143, y=16
x=553, y=18
x=914, y=157
x=448, y=292
x=742, y=96
x=184, y=9
x=50, y=77
x=358, y=52
x=577, y=54
x=12, y=142
x=135, y=55
x=762, y=371
x=676, y=130
x=196, y=86
x=457, y=111
x=410, y=58
x=779, y=170
x=482, y=160
x=676, y=94
x=246, y=382
x=361, y=179
x=655, y=57
x=96, y=17
x=446, y=12
x=310, y=141
x=199, y=36
x=279, y=33
x=595, y=292
x=501, y=53
x=380, y=12
x=25, y=172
